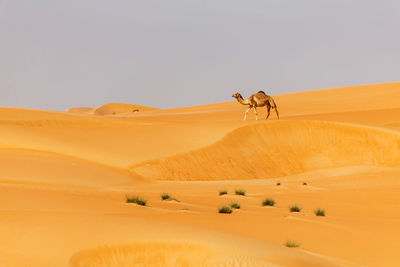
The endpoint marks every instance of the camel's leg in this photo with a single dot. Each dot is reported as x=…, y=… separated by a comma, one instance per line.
x=255, y=111
x=269, y=111
x=277, y=112
x=245, y=114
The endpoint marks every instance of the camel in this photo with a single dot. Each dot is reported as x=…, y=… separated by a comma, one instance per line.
x=260, y=99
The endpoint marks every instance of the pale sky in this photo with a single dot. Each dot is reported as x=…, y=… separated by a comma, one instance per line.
x=167, y=53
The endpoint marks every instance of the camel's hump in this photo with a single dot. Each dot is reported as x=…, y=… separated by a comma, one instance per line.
x=261, y=92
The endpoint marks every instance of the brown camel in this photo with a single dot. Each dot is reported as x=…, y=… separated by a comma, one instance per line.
x=260, y=99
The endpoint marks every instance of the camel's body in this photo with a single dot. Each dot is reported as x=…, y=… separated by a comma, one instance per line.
x=260, y=99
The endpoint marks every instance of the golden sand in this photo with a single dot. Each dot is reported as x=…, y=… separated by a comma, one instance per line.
x=65, y=176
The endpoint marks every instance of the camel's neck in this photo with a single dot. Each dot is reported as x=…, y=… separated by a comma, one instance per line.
x=243, y=101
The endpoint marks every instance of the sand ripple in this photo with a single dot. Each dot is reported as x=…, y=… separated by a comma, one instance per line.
x=160, y=254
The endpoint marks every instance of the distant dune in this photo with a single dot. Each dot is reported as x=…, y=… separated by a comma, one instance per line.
x=111, y=109
x=119, y=108
x=84, y=110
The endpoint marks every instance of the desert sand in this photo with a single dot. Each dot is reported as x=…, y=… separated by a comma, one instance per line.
x=65, y=177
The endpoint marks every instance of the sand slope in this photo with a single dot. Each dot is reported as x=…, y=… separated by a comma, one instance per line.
x=37, y=167
x=277, y=149
x=350, y=98
x=185, y=254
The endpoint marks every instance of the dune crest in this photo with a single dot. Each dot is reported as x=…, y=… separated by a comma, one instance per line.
x=277, y=149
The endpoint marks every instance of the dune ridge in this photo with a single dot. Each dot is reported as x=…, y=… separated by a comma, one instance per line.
x=277, y=149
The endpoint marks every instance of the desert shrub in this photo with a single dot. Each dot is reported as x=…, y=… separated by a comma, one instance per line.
x=235, y=205
x=295, y=208
x=240, y=192
x=292, y=244
x=223, y=192
x=136, y=200
x=268, y=202
x=319, y=212
x=165, y=196
x=225, y=209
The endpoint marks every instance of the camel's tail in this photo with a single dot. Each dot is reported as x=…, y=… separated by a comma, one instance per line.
x=273, y=105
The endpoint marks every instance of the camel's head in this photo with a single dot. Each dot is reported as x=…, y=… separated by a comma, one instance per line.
x=236, y=95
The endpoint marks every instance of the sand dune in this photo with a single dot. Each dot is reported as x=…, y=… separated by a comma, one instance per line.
x=48, y=168
x=81, y=110
x=342, y=99
x=15, y=114
x=64, y=177
x=277, y=149
x=118, y=108
x=350, y=98
x=111, y=109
